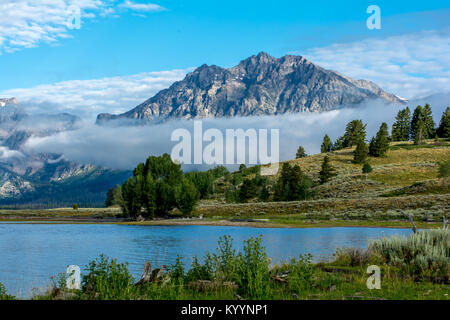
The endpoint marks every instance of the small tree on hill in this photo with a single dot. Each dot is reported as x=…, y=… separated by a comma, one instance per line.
x=327, y=172
x=300, y=153
x=379, y=145
x=424, y=116
x=367, y=168
x=361, y=152
x=339, y=144
x=400, y=129
x=429, y=124
x=292, y=184
x=354, y=131
x=444, y=125
x=326, y=145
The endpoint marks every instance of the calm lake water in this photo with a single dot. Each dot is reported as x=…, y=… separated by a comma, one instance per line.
x=31, y=253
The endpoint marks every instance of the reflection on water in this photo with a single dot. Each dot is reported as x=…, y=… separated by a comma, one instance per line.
x=30, y=254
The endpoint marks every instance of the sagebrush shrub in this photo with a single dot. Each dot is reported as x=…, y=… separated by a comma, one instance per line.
x=425, y=253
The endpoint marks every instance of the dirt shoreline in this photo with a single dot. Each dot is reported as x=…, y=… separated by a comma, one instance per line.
x=255, y=223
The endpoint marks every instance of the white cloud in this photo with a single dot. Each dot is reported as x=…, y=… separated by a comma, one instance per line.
x=7, y=154
x=87, y=98
x=27, y=23
x=146, y=7
x=125, y=146
x=409, y=65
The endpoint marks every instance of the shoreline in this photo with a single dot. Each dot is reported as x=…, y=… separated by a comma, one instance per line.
x=254, y=223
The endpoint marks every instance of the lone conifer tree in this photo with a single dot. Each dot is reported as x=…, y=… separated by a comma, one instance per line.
x=444, y=126
x=380, y=144
x=400, y=129
x=300, y=153
x=327, y=172
x=326, y=144
x=361, y=152
x=354, y=131
x=429, y=124
x=424, y=115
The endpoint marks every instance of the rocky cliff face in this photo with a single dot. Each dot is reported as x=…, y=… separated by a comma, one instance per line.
x=259, y=85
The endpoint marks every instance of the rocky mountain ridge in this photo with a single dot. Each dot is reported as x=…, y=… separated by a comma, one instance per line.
x=259, y=85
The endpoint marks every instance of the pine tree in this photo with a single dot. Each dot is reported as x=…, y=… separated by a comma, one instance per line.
x=327, y=172
x=426, y=116
x=380, y=144
x=419, y=133
x=444, y=126
x=186, y=196
x=361, y=152
x=354, y=131
x=400, y=129
x=339, y=144
x=417, y=115
x=292, y=184
x=300, y=153
x=109, y=198
x=326, y=145
x=429, y=124
x=264, y=195
x=248, y=190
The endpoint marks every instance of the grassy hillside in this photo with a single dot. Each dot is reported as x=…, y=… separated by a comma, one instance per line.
x=406, y=179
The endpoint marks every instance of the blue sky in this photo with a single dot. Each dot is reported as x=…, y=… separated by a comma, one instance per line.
x=121, y=39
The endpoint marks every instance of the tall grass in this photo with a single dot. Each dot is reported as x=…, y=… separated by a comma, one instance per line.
x=249, y=268
x=425, y=253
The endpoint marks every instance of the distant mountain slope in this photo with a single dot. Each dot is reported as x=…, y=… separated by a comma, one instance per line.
x=58, y=185
x=259, y=85
x=46, y=180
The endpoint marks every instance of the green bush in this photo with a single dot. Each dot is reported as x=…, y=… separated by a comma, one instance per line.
x=252, y=274
x=353, y=257
x=108, y=280
x=249, y=269
x=425, y=253
x=301, y=273
x=367, y=168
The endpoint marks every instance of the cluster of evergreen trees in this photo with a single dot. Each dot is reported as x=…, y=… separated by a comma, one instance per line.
x=293, y=184
x=417, y=128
